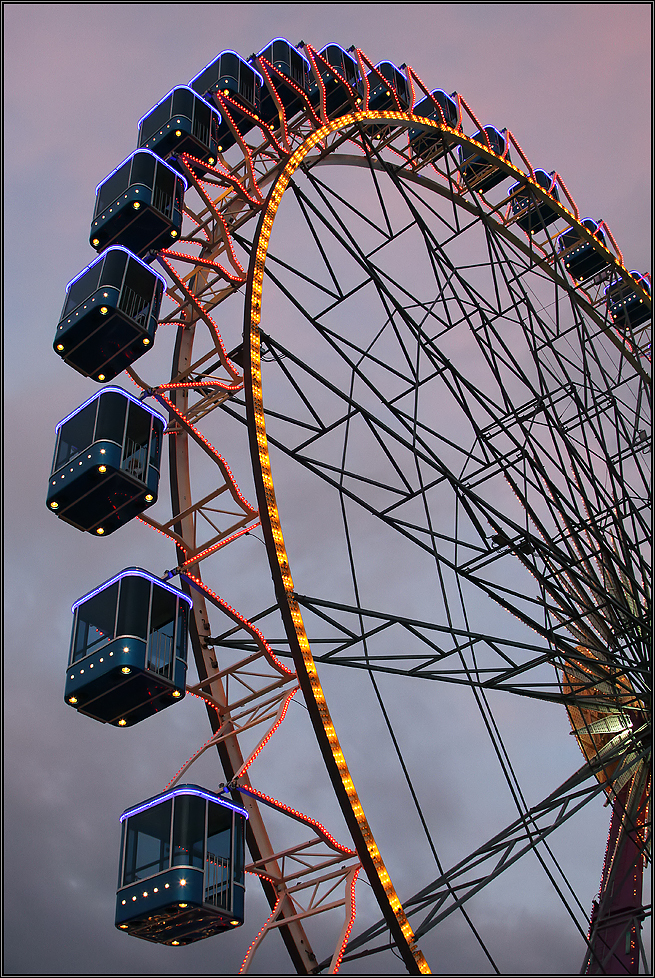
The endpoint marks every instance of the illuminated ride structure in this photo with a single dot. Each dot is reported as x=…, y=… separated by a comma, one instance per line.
x=443, y=381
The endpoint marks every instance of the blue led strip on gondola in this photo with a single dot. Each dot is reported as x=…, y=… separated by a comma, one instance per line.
x=177, y=88
x=116, y=390
x=182, y=790
x=142, y=149
x=129, y=253
x=132, y=572
x=214, y=60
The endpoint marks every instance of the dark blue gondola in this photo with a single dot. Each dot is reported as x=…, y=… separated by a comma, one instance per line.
x=181, y=875
x=533, y=214
x=476, y=170
x=182, y=122
x=384, y=83
x=581, y=259
x=291, y=79
x=105, y=469
x=240, y=84
x=442, y=108
x=110, y=315
x=625, y=304
x=128, y=654
x=340, y=76
x=139, y=205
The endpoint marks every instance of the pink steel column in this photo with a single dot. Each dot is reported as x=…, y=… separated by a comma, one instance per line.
x=616, y=917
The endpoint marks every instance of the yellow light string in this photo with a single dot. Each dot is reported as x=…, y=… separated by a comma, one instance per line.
x=265, y=467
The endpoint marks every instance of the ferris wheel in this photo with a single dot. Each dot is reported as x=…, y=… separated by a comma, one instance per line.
x=442, y=385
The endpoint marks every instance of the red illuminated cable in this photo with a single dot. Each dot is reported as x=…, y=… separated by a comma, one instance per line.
x=299, y=90
x=353, y=911
x=170, y=536
x=298, y=816
x=283, y=713
x=230, y=367
x=192, y=384
x=232, y=486
x=219, y=545
x=576, y=212
x=512, y=137
x=271, y=917
x=197, y=223
x=245, y=149
x=225, y=178
x=206, y=262
x=235, y=616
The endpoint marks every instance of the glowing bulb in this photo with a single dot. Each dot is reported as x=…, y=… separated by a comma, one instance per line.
x=122, y=926
x=178, y=132
x=146, y=341
x=149, y=497
x=175, y=943
x=235, y=923
x=126, y=670
x=100, y=531
x=123, y=723
x=176, y=693
x=104, y=310
x=95, y=242
x=173, y=234
x=54, y=505
x=136, y=205
x=183, y=905
x=102, y=468
x=60, y=346
x=73, y=700
x=211, y=160
x=182, y=882
x=101, y=376
x=126, y=648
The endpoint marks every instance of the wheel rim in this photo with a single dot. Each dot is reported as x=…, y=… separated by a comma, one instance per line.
x=277, y=553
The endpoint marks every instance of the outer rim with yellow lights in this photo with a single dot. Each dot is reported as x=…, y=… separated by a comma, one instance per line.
x=314, y=697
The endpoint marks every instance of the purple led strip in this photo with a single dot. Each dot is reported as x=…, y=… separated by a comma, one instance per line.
x=639, y=277
x=521, y=183
x=595, y=224
x=228, y=51
x=333, y=44
x=116, y=390
x=106, y=252
x=183, y=790
x=309, y=67
x=177, y=88
x=132, y=572
x=154, y=155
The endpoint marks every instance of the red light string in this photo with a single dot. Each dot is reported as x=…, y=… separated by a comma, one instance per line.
x=219, y=545
x=353, y=911
x=256, y=941
x=239, y=620
x=176, y=538
x=232, y=486
x=245, y=149
x=225, y=179
x=206, y=263
x=207, y=319
x=298, y=816
x=282, y=712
